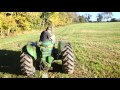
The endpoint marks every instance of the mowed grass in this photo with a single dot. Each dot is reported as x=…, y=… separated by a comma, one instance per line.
x=96, y=48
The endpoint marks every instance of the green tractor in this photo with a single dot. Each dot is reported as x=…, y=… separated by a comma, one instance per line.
x=42, y=54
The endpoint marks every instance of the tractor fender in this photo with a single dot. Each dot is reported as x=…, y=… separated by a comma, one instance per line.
x=61, y=45
x=31, y=49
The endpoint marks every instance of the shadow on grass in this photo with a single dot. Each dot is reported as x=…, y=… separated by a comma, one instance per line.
x=56, y=67
x=9, y=62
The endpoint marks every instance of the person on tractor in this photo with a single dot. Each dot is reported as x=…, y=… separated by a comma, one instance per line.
x=46, y=35
x=47, y=39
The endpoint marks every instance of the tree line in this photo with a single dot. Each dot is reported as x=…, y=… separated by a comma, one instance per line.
x=15, y=22
x=101, y=17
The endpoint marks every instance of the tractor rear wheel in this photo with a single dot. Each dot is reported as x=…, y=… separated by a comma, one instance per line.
x=26, y=65
x=68, y=59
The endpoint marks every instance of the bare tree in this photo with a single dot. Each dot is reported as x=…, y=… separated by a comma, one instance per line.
x=107, y=15
x=87, y=17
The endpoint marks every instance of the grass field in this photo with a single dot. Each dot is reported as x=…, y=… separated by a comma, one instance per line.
x=96, y=47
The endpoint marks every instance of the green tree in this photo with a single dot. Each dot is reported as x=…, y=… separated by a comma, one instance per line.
x=45, y=17
x=8, y=24
x=99, y=17
x=113, y=20
x=1, y=23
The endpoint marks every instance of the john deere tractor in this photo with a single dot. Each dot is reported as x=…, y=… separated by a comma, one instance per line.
x=42, y=54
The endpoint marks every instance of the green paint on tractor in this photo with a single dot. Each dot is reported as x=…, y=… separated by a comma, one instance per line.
x=46, y=48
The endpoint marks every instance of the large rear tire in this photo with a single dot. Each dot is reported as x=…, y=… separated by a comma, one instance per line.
x=26, y=65
x=68, y=59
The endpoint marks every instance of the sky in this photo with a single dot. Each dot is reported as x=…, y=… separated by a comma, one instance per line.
x=94, y=14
